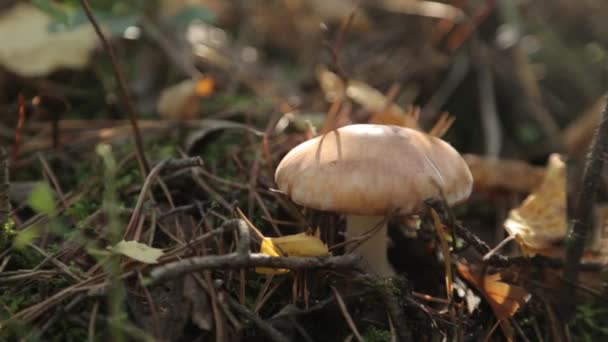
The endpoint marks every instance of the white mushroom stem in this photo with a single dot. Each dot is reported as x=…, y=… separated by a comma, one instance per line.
x=374, y=249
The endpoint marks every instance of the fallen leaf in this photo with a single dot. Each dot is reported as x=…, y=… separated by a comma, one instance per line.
x=269, y=248
x=369, y=97
x=504, y=299
x=296, y=245
x=540, y=221
x=182, y=100
x=301, y=245
x=138, y=251
x=332, y=85
x=30, y=49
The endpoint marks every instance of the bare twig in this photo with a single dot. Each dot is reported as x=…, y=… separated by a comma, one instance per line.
x=346, y=314
x=582, y=214
x=270, y=331
x=167, y=163
x=5, y=205
x=234, y=260
x=19, y=131
x=122, y=90
x=242, y=258
x=92, y=320
x=487, y=102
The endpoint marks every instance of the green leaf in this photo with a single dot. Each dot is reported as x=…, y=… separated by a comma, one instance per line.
x=25, y=237
x=42, y=199
x=138, y=251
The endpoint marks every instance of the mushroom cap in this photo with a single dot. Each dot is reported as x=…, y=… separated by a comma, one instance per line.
x=367, y=169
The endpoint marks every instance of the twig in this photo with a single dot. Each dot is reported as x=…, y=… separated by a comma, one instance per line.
x=152, y=305
x=122, y=90
x=346, y=314
x=270, y=331
x=5, y=204
x=582, y=214
x=458, y=71
x=487, y=102
x=167, y=163
x=19, y=131
x=92, y=320
x=242, y=258
x=498, y=247
x=234, y=260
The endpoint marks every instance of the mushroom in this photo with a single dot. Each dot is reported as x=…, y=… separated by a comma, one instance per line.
x=367, y=171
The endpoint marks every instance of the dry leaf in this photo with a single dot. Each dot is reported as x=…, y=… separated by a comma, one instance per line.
x=384, y=111
x=31, y=50
x=297, y=245
x=301, y=245
x=332, y=85
x=268, y=247
x=504, y=299
x=370, y=98
x=138, y=251
x=541, y=220
x=181, y=101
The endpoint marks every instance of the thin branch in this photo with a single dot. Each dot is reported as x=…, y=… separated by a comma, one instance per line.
x=235, y=261
x=122, y=90
x=172, y=164
x=269, y=330
x=347, y=315
x=242, y=258
x=582, y=214
x=5, y=205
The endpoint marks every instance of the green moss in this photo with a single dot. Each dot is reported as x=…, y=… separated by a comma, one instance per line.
x=590, y=322
x=374, y=334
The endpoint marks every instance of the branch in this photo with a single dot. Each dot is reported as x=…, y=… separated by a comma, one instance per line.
x=582, y=214
x=501, y=261
x=235, y=260
x=242, y=258
x=122, y=90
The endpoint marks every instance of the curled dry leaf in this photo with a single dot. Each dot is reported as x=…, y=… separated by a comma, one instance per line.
x=297, y=245
x=541, y=220
x=138, y=251
x=30, y=49
x=181, y=101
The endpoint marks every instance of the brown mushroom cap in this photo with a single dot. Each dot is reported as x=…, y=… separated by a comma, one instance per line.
x=367, y=169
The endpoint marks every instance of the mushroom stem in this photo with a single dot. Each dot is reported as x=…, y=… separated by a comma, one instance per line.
x=374, y=249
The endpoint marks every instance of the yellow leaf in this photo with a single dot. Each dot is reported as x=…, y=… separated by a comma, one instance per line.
x=301, y=245
x=138, y=251
x=269, y=248
x=297, y=245
x=541, y=220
